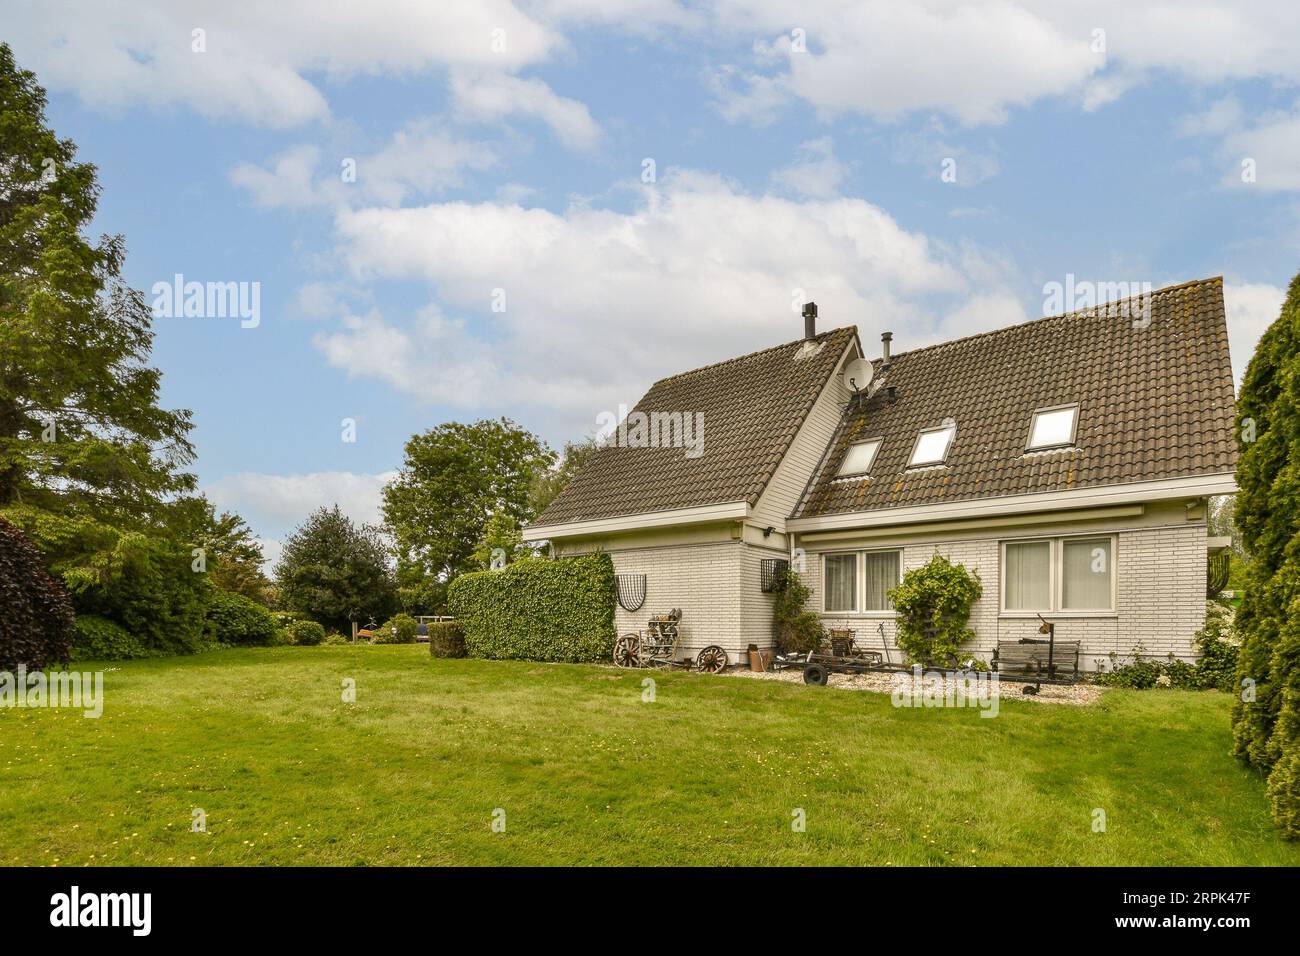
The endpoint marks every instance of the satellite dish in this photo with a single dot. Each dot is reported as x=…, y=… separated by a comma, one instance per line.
x=857, y=375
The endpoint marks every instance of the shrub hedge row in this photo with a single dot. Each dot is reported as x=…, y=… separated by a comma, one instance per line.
x=560, y=610
x=99, y=639
x=446, y=639
x=235, y=619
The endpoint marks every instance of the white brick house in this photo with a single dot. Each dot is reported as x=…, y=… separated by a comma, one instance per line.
x=1067, y=461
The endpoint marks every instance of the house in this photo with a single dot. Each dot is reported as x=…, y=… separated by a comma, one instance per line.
x=1067, y=461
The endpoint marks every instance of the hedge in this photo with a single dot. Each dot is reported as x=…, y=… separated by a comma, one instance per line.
x=560, y=610
x=235, y=619
x=307, y=633
x=446, y=639
x=99, y=639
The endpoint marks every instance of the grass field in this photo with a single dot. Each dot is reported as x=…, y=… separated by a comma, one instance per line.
x=586, y=773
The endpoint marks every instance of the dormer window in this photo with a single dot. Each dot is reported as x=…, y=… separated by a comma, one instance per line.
x=932, y=446
x=859, y=458
x=1053, y=427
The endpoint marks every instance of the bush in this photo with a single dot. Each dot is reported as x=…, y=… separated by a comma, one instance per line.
x=1214, y=670
x=36, y=618
x=446, y=639
x=795, y=629
x=560, y=610
x=283, y=637
x=307, y=633
x=398, y=629
x=933, y=604
x=334, y=639
x=99, y=639
x=235, y=619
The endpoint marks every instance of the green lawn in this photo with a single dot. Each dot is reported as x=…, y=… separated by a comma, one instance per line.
x=589, y=774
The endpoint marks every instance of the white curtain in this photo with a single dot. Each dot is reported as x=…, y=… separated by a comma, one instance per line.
x=1088, y=570
x=1028, y=574
x=841, y=582
x=881, y=572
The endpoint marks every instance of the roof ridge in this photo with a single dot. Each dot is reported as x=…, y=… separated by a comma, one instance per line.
x=1078, y=313
x=751, y=355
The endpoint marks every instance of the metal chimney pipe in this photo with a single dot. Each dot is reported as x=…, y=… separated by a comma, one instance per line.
x=885, y=339
x=810, y=320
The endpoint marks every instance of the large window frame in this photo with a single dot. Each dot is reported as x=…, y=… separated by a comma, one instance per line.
x=1056, y=576
x=860, y=582
x=874, y=444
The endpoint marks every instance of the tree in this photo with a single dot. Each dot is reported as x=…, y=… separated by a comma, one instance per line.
x=553, y=480
x=335, y=571
x=232, y=553
x=85, y=451
x=454, y=479
x=1266, y=713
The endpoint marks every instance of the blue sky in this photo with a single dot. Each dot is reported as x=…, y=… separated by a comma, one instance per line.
x=501, y=153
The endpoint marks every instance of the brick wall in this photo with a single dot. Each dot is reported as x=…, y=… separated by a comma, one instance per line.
x=1160, y=595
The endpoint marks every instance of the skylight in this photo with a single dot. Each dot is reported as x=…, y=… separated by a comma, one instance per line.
x=859, y=458
x=1053, y=427
x=932, y=446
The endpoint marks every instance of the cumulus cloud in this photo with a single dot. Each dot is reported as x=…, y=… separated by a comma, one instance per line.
x=597, y=303
x=816, y=172
x=490, y=96
x=421, y=159
x=256, y=58
x=1251, y=308
x=279, y=503
x=976, y=61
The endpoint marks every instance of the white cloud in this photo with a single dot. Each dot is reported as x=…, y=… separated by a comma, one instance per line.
x=600, y=302
x=1251, y=307
x=976, y=61
x=279, y=503
x=289, y=182
x=116, y=53
x=930, y=147
x=492, y=96
x=420, y=160
x=816, y=173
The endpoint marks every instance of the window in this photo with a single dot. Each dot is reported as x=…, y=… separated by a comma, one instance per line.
x=859, y=458
x=1085, y=583
x=879, y=574
x=1053, y=427
x=932, y=446
x=871, y=574
x=841, y=573
x=1059, y=574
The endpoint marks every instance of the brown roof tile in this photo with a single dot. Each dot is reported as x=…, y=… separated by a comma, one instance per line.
x=752, y=407
x=1154, y=402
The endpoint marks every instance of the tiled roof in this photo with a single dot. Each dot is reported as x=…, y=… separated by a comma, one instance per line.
x=751, y=408
x=1155, y=401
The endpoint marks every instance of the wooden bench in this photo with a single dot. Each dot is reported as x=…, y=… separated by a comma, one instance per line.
x=1028, y=657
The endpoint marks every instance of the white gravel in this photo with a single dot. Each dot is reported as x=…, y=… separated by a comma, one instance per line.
x=1080, y=695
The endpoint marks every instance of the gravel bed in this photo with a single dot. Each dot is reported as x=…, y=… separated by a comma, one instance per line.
x=1080, y=695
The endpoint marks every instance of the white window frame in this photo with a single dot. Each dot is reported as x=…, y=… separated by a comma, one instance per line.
x=871, y=462
x=1033, y=423
x=947, y=449
x=860, y=583
x=1056, y=576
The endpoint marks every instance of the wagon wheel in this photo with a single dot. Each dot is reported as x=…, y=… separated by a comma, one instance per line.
x=627, y=650
x=711, y=660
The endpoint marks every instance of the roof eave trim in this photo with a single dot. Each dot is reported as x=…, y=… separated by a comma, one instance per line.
x=730, y=511
x=1223, y=483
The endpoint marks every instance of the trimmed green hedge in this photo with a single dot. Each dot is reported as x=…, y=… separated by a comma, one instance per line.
x=446, y=639
x=560, y=610
x=307, y=633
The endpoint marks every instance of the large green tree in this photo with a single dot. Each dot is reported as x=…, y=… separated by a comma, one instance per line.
x=454, y=479
x=86, y=453
x=336, y=571
x=1266, y=714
